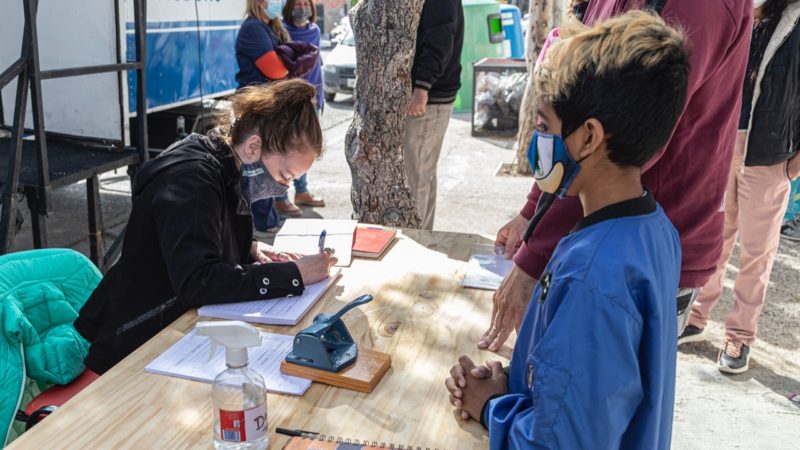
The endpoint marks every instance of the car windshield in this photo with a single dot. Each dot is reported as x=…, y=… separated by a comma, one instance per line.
x=350, y=40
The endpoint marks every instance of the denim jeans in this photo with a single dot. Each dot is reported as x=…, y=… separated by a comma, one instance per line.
x=265, y=216
x=300, y=186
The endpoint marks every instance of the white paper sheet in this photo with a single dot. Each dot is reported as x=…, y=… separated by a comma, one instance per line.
x=188, y=358
x=302, y=236
x=277, y=311
x=486, y=269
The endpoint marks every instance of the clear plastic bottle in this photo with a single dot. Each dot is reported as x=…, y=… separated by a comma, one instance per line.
x=240, y=410
x=238, y=394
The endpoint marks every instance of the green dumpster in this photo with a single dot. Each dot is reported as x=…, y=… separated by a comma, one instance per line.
x=483, y=38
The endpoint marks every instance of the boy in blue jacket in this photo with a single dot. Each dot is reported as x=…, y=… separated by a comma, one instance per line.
x=594, y=362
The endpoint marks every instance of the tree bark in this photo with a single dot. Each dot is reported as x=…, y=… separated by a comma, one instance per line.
x=544, y=16
x=386, y=32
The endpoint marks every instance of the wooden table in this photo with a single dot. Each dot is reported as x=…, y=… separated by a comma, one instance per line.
x=420, y=316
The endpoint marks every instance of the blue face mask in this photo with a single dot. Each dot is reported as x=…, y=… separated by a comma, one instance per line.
x=274, y=8
x=257, y=183
x=553, y=167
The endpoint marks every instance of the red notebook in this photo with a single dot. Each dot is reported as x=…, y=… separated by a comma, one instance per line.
x=371, y=241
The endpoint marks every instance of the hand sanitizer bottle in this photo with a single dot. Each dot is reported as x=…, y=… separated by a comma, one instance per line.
x=238, y=394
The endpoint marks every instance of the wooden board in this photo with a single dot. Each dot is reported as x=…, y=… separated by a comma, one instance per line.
x=420, y=316
x=362, y=376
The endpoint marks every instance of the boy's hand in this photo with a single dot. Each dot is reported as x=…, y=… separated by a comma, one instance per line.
x=471, y=387
x=510, y=302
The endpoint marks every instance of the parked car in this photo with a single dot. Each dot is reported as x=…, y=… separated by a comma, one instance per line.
x=340, y=68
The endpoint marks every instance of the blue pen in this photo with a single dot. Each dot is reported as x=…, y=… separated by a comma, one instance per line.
x=322, y=241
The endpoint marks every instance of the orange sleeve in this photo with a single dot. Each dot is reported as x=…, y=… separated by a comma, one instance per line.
x=271, y=66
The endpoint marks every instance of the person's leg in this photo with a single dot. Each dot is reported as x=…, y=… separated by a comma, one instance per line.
x=417, y=129
x=763, y=196
x=264, y=215
x=711, y=292
x=431, y=160
x=301, y=184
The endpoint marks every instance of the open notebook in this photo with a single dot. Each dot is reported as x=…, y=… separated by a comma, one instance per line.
x=302, y=236
x=277, y=311
x=188, y=358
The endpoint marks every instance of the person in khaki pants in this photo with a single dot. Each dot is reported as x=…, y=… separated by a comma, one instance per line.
x=436, y=77
x=764, y=163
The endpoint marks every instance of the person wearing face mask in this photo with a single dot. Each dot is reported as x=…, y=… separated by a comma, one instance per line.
x=766, y=158
x=299, y=19
x=189, y=239
x=259, y=62
x=594, y=362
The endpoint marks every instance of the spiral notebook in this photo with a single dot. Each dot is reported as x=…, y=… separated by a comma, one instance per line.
x=323, y=442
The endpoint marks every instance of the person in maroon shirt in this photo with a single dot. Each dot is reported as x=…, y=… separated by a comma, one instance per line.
x=688, y=177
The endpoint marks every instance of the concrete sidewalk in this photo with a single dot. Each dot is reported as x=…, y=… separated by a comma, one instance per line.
x=712, y=410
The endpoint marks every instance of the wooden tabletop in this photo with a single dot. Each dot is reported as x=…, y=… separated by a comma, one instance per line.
x=420, y=316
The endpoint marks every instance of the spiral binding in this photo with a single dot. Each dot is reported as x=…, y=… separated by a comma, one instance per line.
x=390, y=446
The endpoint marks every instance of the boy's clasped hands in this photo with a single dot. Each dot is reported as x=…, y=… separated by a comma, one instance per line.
x=471, y=386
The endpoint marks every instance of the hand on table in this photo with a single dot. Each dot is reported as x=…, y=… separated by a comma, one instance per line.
x=510, y=302
x=316, y=267
x=264, y=253
x=419, y=102
x=510, y=236
x=471, y=386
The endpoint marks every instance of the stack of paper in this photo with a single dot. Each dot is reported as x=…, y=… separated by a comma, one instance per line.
x=302, y=236
x=188, y=358
x=277, y=311
x=486, y=269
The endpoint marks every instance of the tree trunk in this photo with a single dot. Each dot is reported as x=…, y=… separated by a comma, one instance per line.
x=386, y=32
x=544, y=16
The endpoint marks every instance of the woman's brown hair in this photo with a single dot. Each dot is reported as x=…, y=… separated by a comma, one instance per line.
x=254, y=9
x=283, y=114
x=289, y=6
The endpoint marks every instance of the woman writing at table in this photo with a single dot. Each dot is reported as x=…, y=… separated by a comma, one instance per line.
x=189, y=240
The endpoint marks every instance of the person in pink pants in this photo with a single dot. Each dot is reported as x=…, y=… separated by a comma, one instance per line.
x=764, y=163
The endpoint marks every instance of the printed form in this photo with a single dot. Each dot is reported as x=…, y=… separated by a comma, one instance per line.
x=188, y=358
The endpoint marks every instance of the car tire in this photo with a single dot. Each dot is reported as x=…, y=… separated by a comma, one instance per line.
x=329, y=96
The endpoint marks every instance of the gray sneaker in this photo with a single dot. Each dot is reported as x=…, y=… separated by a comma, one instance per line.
x=791, y=230
x=691, y=334
x=734, y=357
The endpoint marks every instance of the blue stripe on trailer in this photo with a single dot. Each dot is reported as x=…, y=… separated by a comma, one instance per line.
x=129, y=26
x=172, y=67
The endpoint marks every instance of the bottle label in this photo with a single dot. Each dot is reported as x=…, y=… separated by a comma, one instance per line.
x=243, y=426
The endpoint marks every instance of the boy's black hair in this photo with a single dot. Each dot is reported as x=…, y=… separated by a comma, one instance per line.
x=634, y=82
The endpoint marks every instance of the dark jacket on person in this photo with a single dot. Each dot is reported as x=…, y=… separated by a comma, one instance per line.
x=774, y=123
x=187, y=244
x=437, y=62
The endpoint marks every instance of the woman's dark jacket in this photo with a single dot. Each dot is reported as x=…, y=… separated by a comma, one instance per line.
x=775, y=120
x=187, y=244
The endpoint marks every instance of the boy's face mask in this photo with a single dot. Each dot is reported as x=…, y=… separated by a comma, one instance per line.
x=553, y=167
x=274, y=8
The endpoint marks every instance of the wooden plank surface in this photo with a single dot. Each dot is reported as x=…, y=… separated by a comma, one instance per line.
x=420, y=316
x=362, y=376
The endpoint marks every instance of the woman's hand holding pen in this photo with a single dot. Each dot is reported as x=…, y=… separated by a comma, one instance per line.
x=317, y=267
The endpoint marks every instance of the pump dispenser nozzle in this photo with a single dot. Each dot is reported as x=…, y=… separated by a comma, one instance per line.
x=234, y=335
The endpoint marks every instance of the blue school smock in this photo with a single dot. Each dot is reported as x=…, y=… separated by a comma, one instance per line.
x=594, y=362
